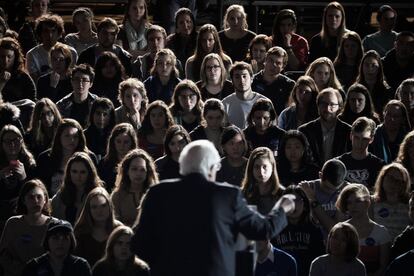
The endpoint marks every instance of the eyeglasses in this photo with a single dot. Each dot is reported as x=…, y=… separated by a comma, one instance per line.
x=81, y=80
x=329, y=105
x=15, y=141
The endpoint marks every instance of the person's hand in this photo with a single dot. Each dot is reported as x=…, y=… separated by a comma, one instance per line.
x=19, y=170
x=255, y=66
x=54, y=79
x=287, y=203
x=288, y=39
x=308, y=189
x=5, y=172
x=5, y=76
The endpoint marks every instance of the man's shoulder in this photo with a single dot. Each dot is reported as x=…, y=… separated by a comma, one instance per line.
x=229, y=99
x=310, y=125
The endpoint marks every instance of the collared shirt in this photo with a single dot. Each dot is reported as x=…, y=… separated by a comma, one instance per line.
x=270, y=256
x=327, y=141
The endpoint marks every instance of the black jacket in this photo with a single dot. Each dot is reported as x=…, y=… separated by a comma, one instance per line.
x=189, y=226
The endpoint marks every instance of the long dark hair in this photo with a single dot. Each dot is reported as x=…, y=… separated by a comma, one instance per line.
x=68, y=189
x=307, y=158
x=369, y=110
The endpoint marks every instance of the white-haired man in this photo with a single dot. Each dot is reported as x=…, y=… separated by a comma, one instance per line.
x=189, y=226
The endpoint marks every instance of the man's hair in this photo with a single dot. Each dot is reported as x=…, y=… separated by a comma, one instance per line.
x=334, y=171
x=155, y=28
x=241, y=65
x=84, y=69
x=383, y=9
x=107, y=23
x=333, y=91
x=198, y=157
x=363, y=124
x=279, y=52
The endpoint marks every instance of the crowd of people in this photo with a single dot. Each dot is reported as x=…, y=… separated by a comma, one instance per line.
x=90, y=120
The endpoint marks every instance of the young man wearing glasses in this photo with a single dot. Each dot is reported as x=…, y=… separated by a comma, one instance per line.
x=77, y=104
x=327, y=135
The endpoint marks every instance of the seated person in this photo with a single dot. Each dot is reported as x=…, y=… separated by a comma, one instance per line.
x=59, y=243
x=362, y=166
x=383, y=40
x=238, y=104
x=273, y=261
x=77, y=104
x=49, y=28
x=271, y=83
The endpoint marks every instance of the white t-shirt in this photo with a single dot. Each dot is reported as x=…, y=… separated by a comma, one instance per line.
x=237, y=110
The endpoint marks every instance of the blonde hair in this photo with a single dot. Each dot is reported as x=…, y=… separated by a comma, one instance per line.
x=239, y=9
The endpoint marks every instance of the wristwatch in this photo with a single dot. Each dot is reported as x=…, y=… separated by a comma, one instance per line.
x=314, y=204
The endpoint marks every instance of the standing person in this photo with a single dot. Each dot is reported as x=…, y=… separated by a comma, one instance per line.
x=236, y=37
x=383, y=40
x=327, y=135
x=342, y=252
x=60, y=243
x=134, y=25
x=239, y=103
x=23, y=234
x=270, y=82
x=326, y=42
x=405, y=93
x=283, y=35
x=168, y=231
x=82, y=19
x=183, y=41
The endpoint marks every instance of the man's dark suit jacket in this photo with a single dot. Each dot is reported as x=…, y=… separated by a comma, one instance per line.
x=189, y=227
x=341, y=142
